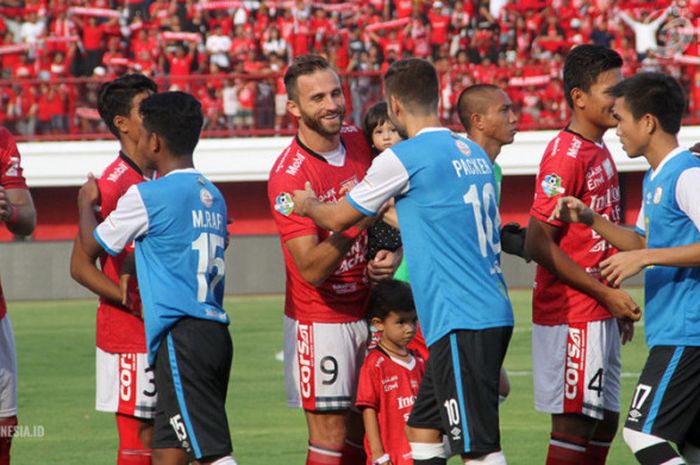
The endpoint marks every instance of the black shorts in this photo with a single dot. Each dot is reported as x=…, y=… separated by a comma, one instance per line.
x=192, y=370
x=666, y=401
x=459, y=391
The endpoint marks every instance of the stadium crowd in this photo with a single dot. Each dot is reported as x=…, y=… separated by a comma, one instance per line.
x=231, y=54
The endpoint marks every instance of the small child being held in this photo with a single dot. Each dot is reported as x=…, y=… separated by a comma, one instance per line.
x=390, y=375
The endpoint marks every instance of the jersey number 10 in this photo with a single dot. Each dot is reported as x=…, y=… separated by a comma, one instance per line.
x=485, y=227
x=206, y=245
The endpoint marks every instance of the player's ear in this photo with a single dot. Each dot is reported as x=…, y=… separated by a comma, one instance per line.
x=121, y=123
x=650, y=122
x=293, y=108
x=394, y=105
x=154, y=142
x=477, y=121
x=377, y=323
x=578, y=96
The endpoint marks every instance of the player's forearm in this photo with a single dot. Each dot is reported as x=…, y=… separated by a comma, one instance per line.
x=85, y=272
x=335, y=217
x=369, y=418
x=322, y=261
x=685, y=256
x=620, y=237
x=22, y=220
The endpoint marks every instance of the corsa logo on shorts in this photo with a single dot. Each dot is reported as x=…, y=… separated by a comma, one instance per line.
x=574, y=369
x=305, y=356
x=127, y=375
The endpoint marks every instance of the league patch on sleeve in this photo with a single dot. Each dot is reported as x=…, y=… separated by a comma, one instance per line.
x=551, y=185
x=284, y=204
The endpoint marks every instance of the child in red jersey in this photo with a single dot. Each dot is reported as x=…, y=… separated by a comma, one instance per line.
x=390, y=375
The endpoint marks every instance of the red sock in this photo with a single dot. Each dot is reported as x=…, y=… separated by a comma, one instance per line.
x=566, y=450
x=131, y=450
x=7, y=429
x=596, y=452
x=320, y=455
x=353, y=454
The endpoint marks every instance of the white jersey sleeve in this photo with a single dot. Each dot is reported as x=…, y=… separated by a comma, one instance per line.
x=127, y=222
x=385, y=178
x=640, y=226
x=688, y=194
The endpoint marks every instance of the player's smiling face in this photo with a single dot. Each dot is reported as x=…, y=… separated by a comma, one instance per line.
x=321, y=104
x=598, y=103
x=632, y=133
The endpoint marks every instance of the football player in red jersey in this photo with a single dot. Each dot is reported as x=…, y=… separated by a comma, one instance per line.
x=18, y=214
x=124, y=379
x=576, y=339
x=327, y=286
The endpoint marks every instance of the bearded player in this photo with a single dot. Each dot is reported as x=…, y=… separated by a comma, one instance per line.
x=327, y=286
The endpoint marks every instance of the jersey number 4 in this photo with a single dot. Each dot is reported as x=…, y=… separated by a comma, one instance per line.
x=206, y=246
x=487, y=232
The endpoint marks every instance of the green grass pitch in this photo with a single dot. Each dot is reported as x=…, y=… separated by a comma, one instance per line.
x=55, y=344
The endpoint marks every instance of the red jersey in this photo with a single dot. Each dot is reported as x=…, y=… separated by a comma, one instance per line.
x=118, y=330
x=573, y=165
x=390, y=387
x=342, y=297
x=10, y=178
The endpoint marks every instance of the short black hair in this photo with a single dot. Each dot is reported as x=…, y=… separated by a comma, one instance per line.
x=176, y=117
x=116, y=97
x=301, y=66
x=467, y=106
x=656, y=94
x=377, y=115
x=414, y=82
x=584, y=64
x=390, y=295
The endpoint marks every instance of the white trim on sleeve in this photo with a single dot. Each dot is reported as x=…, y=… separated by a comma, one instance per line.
x=688, y=194
x=128, y=221
x=385, y=178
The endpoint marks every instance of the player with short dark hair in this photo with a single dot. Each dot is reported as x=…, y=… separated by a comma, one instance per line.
x=124, y=379
x=18, y=214
x=665, y=244
x=179, y=224
x=390, y=375
x=327, y=286
x=445, y=194
x=575, y=338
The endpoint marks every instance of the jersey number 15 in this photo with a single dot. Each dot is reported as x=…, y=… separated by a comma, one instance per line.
x=206, y=245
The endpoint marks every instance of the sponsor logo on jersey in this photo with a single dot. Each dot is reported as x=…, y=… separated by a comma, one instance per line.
x=551, y=185
x=463, y=148
x=391, y=383
x=127, y=372
x=284, y=204
x=574, y=148
x=575, y=356
x=117, y=173
x=206, y=198
x=293, y=168
x=347, y=185
x=657, y=195
x=609, y=171
x=406, y=401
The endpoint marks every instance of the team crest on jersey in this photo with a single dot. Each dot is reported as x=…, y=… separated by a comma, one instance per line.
x=657, y=195
x=206, y=198
x=13, y=169
x=284, y=204
x=463, y=148
x=551, y=185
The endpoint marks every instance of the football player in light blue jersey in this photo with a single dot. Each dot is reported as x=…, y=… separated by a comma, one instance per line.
x=179, y=225
x=665, y=406
x=447, y=209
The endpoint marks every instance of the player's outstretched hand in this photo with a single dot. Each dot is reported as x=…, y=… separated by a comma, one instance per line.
x=621, y=305
x=89, y=194
x=513, y=240
x=300, y=197
x=623, y=265
x=572, y=210
x=626, y=330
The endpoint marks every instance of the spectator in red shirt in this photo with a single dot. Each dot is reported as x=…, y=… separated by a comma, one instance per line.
x=180, y=63
x=92, y=35
x=440, y=26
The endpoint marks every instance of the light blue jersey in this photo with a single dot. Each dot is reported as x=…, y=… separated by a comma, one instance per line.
x=447, y=205
x=670, y=217
x=179, y=225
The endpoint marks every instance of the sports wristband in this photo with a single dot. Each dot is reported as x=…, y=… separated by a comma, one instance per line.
x=381, y=460
x=12, y=217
